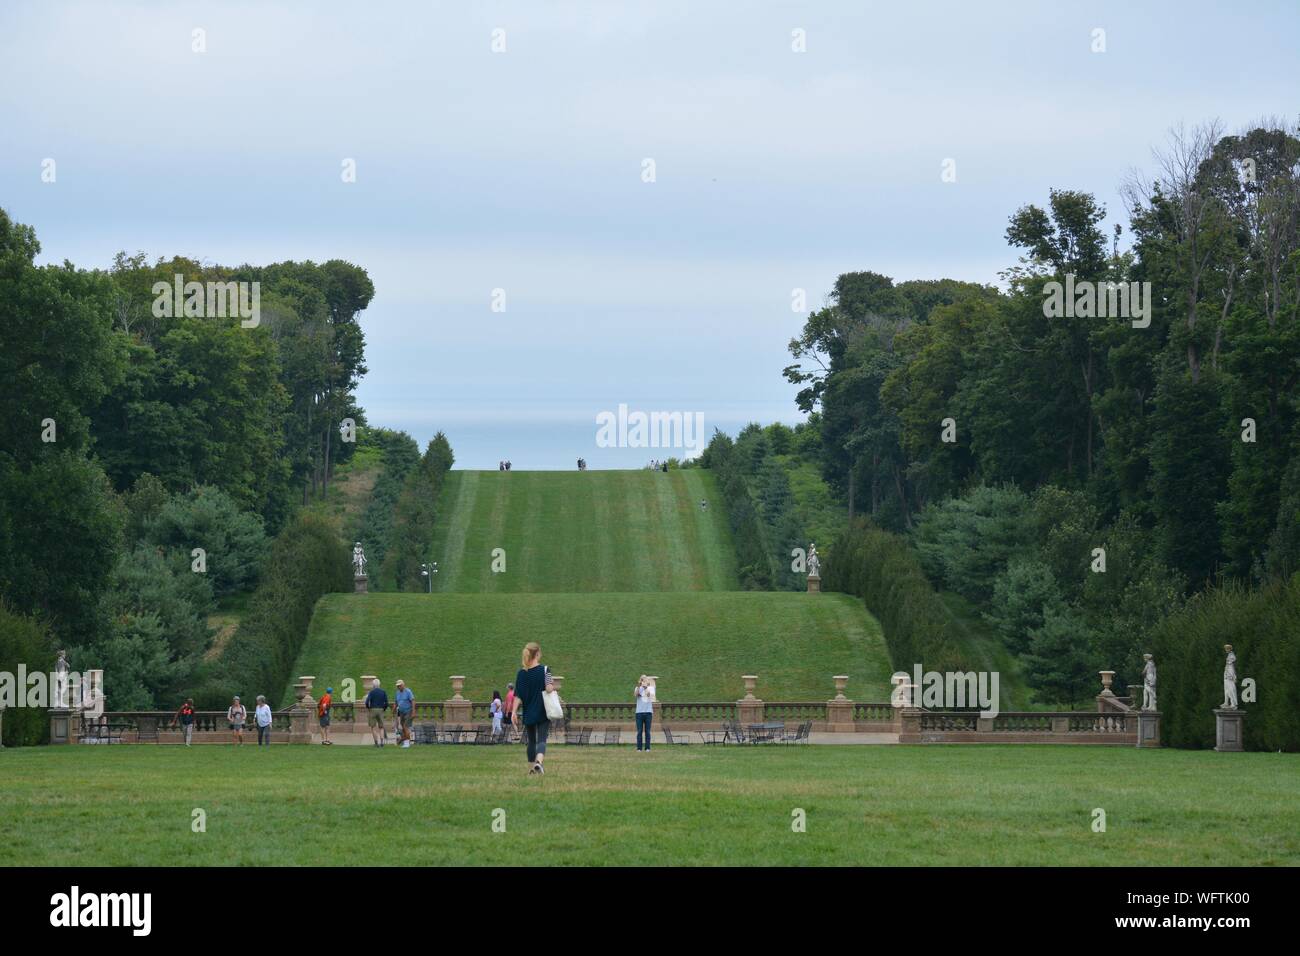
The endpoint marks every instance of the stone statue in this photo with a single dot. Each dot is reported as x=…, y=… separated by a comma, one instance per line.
x=61, y=669
x=1148, y=683
x=814, y=562
x=358, y=560
x=1230, y=680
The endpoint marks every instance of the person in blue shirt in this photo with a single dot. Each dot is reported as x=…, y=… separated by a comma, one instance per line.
x=376, y=703
x=530, y=683
x=404, y=701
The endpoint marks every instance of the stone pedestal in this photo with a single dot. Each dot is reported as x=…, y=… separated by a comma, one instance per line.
x=814, y=584
x=749, y=709
x=1148, y=728
x=839, y=709
x=909, y=725
x=359, y=583
x=61, y=730
x=1228, y=730
x=457, y=710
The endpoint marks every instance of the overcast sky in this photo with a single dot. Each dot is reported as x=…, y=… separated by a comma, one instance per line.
x=523, y=170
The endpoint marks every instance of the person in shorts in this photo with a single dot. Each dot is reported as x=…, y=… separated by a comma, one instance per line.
x=323, y=714
x=236, y=715
x=404, y=705
x=376, y=704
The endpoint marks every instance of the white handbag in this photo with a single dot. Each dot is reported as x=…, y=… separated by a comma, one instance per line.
x=551, y=699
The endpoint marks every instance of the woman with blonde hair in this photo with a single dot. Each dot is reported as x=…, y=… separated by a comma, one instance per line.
x=531, y=682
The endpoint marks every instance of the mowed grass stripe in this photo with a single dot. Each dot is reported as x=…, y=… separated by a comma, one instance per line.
x=428, y=806
x=698, y=642
x=614, y=531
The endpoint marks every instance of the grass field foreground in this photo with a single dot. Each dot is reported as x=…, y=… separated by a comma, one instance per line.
x=121, y=806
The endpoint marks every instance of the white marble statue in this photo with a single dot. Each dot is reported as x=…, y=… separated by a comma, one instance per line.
x=1230, y=680
x=61, y=669
x=358, y=560
x=1148, y=683
x=814, y=562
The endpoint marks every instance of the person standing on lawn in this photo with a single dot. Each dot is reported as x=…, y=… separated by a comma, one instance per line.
x=186, y=716
x=509, y=709
x=645, y=709
x=263, y=712
x=404, y=702
x=531, y=682
x=323, y=714
x=376, y=703
x=236, y=714
x=496, y=710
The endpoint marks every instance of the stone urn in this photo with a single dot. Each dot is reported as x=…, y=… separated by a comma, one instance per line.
x=457, y=685
x=751, y=682
x=840, y=681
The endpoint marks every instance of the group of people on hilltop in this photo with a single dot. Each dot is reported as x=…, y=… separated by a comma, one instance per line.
x=582, y=464
x=503, y=465
x=658, y=465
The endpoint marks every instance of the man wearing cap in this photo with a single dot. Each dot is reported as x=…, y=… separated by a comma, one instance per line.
x=405, y=704
x=323, y=712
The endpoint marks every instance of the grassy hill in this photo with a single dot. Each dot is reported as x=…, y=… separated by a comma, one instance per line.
x=699, y=644
x=582, y=532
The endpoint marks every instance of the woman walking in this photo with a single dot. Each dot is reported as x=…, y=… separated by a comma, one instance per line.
x=236, y=714
x=530, y=683
x=495, y=709
x=263, y=713
x=645, y=708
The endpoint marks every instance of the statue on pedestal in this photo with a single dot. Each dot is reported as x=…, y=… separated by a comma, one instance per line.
x=358, y=560
x=61, y=669
x=1229, y=680
x=814, y=562
x=1148, y=683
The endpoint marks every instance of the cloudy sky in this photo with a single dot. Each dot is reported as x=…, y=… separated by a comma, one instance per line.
x=522, y=170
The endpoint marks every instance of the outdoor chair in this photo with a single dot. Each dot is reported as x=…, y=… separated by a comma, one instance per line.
x=612, y=734
x=798, y=735
x=679, y=739
x=147, y=730
x=736, y=732
x=482, y=734
x=577, y=735
x=426, y=733
x=452, y=735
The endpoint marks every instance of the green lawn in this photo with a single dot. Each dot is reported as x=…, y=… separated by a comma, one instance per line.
x=583, y=531
x=697, y=643
x=123, y=806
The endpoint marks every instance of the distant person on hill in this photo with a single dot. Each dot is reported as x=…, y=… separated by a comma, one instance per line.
x=704, y=504
x=645, y=709
x=404, y=702
x=496, y=709
x=376, y=703
x=665, y=467
x=236, y=715
x=323, y=714
x=263, y=714
x=531, y=682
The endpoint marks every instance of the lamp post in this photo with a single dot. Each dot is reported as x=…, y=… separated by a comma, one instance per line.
x=427, y=571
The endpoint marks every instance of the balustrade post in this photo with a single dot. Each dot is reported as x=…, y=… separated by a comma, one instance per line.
x=749, y=709
x=457, y=710
x=1148, y=729
x=909, y=727
x=839, y=710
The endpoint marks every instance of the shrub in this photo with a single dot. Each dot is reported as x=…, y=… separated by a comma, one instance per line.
x=307, y=560
x=24, y=640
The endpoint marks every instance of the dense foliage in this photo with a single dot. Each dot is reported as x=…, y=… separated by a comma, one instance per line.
x=411, y=536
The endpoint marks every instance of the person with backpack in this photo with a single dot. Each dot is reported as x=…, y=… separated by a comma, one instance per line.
x=323, y=714
x=236, y=715
x=186, y=716
x=532, y=681
x=376, y=703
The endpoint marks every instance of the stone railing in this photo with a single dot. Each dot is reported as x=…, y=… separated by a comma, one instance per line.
x=1054, y=727
x=164, y=727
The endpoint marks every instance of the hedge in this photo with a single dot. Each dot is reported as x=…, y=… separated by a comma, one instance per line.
x=307, y=560
x=1263, y=626
x=882, y=569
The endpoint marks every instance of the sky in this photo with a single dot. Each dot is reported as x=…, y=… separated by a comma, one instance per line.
x=503, y=146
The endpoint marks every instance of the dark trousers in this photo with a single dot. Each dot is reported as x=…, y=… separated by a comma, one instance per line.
x=643, y=721
x=535, y=735
x=263, y=735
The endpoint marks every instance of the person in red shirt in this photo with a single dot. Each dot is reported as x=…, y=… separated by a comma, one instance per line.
x=323, y=712
x=186, y=716
x=509, y=708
